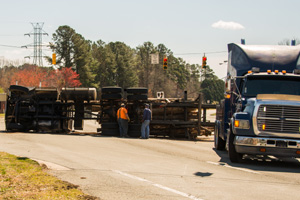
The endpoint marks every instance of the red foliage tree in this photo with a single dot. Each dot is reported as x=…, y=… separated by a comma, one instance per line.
x=64, y=77
x=31, y=76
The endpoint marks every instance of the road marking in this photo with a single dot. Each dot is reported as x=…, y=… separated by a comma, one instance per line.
x=157, y=185
x=237, y=168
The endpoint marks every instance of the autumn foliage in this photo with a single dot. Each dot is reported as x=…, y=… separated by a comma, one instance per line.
x=32, y=76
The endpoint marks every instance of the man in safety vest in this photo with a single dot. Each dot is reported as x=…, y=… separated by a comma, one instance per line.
x=123, y=119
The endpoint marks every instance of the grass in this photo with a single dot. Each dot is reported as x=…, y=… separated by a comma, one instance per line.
x=22, y=178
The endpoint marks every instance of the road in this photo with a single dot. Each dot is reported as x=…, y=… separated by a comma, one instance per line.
x=157, y=168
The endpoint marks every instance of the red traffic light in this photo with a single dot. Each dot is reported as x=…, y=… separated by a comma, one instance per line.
x=204, y=61
x=165, y=63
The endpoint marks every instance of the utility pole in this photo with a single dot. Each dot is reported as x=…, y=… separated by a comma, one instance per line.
x=37, y=33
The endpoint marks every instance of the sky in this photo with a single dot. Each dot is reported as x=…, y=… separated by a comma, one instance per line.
x=189, y=28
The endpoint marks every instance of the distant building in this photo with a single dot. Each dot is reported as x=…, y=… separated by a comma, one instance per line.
x=2, y=102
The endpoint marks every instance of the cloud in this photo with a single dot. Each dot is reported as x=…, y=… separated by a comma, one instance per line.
x=227, y=25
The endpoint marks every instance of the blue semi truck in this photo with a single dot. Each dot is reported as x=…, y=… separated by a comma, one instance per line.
x=260, y=114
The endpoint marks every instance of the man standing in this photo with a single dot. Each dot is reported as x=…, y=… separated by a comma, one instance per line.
x=123, y=119
x=146, y=121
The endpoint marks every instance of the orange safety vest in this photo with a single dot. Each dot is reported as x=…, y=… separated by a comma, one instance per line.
x=122, y=113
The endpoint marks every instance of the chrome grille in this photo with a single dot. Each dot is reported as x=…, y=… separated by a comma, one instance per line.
x=279, y=118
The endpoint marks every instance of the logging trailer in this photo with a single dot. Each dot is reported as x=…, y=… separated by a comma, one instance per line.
x=61, y=111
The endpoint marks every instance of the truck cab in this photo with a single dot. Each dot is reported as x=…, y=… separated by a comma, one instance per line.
x=260, y=114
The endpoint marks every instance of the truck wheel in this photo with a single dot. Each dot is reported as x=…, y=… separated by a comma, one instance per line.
x=111, y=96
x=219, y=142
x=21, y=89
x=111, y=89
x=110, y=125
x=137, y=97
x=110, y=132
x=137, y=90
x=234, y=156
x=78, y=93
x=134, y=134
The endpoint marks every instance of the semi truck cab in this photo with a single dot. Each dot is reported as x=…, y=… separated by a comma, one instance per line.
x=260, y=114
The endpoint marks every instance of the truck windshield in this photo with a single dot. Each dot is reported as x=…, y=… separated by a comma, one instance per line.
x=255, y=85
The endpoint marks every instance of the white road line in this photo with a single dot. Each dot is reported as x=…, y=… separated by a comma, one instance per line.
x=157, y=185
x=237, y=168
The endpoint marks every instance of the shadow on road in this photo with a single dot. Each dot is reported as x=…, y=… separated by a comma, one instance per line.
x=203, y=174
x=262, y=163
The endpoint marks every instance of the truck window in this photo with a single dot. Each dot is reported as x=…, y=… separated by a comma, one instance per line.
x=271, y=85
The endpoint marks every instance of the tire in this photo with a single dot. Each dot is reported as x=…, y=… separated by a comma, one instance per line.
x=18, y=88
x=111, y=96
x=134, y=127
x=110, y=125
x=138, y=90
x=219, y=142
x=78, y=93
x=110, y=132
x=233, y=155
x=134, y=134
x=137, y=97
x=111, y=89
x=15, y=127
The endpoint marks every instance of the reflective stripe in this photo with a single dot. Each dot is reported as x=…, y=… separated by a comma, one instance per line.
x=122, y=113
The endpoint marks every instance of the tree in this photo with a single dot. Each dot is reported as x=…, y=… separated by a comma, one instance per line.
x=179, y=74
x=33, y=76
x=161, y=78
x=63, y=46
x=116, y=64
x=212, y=87
x=144, y=66
x=30, y=75
x=64, y=77
x=287, y=42
x=104, y=64
x=82, y=59
x=6, y=74
x=74, y=51
x=193, y=85
x=126, y=75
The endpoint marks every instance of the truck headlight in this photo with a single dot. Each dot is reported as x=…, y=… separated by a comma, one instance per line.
x=241, y=124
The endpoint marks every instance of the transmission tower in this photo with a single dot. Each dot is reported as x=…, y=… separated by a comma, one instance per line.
x=37, y=33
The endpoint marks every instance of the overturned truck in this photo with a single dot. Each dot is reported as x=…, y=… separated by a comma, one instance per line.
x=47, y=109
x=61, y=111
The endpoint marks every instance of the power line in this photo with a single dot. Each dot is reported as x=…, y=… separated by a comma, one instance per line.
x=213, y=52
x=3, y=45
x=3, y=35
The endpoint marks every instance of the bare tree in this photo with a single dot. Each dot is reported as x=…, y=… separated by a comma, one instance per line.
x=288, y=42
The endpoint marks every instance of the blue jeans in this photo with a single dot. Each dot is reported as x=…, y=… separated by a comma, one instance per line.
x=145, y=129
x=123, y=126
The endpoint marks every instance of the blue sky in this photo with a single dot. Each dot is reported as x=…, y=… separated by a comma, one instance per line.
x=184, y=26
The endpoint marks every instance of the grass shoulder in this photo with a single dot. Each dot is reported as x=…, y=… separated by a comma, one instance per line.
x=23, y=178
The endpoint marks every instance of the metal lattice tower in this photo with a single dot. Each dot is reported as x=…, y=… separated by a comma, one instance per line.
x=37, y=33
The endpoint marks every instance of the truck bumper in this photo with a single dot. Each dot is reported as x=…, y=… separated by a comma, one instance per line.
x=267, y=146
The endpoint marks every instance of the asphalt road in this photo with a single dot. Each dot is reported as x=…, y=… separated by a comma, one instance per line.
x=157, y=168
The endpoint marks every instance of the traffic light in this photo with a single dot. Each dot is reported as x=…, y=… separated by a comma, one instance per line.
x=165, y=63
x=204, y=62
x=53, y=59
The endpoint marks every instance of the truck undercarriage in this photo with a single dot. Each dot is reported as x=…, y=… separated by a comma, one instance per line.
x=51, y=110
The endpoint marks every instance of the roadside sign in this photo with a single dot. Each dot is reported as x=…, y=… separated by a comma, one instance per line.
x=154, y=58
